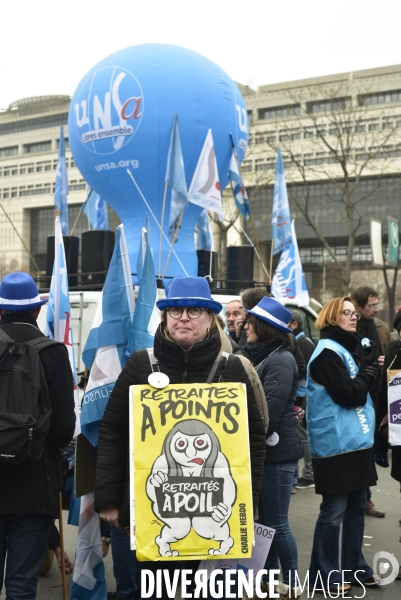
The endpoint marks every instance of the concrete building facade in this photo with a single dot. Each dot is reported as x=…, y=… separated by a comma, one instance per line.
x=329, y=129
x=340, y=137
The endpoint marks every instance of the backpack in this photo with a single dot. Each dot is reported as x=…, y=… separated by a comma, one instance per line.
x=25, y=407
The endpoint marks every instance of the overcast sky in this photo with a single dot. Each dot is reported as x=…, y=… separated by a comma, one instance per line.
x=47, y=46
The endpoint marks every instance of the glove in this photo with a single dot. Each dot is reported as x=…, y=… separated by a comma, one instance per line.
x=381, y=459
x=371, y=372
x=371, y=354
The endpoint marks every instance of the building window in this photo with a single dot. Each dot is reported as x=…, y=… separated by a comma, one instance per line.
x=77, y=186
x=66, y=143
x=10, y=170
x=262, y=167
x=10, y=151
x=44, y=165
x=379, y=98
x=34, y=191
x=33, y=124
x=37, y=147
x=279, y=112
x=328, y=105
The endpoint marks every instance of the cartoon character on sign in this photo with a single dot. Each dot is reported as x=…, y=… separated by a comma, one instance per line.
x=191, y=487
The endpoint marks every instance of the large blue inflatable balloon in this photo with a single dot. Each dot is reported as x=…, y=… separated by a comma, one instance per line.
x=121, y=116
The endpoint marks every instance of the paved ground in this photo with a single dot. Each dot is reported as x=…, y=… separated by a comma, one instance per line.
x=380, y=534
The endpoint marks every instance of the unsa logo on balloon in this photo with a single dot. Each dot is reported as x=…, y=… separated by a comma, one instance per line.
x=111, y=113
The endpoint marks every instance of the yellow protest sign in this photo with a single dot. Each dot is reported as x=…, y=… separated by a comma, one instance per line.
x=191, y=466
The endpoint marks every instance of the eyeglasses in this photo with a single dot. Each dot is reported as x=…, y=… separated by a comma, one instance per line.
x=351, y=314
x=372, y=306
x=193, y=312
x=249, y=321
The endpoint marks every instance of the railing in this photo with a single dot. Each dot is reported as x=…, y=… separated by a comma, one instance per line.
x=78, y=282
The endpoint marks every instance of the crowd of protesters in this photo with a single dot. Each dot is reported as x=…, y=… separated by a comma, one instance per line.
x=304, y=401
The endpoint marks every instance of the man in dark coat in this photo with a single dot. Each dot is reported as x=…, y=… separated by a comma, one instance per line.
x=370, y=326
x=30, y=491
x=307, y=348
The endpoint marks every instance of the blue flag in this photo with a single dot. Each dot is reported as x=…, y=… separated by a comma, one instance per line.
x=147, y=315
x=95, y=209
x=58, y=324
x=175, y=177
x=104, y=352
x=281, y=220
x=142, y=248
x=205, y=238
x=289, y=279
x=237, y=184
x=88, y=580
x=61, y=188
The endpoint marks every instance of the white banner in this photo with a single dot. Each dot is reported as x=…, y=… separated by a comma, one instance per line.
x=394, y=409
x=205, y=186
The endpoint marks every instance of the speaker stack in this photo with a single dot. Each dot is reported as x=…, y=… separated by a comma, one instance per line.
x=97, y=250
x=204, y=263
x=239, y=267
x=71, y=249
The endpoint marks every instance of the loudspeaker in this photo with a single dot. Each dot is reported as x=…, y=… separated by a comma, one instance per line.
x=240, y=267
x=71, y=249
x=97, y=249
x=204, y=263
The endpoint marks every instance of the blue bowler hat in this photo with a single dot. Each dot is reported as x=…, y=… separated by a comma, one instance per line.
x=189, y=291
x=272, y=312
x=18, y=291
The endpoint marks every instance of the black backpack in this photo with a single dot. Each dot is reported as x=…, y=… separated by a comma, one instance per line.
x=25, y=406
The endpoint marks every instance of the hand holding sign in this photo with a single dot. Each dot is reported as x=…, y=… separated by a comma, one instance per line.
x=157, y=479
x=220, y=513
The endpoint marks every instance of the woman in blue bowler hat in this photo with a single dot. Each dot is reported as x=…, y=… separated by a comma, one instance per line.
x=267, y=346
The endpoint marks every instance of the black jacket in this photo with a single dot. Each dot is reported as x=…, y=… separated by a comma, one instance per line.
x=381, y=437
x=25, y=489
x=192, y=366
x=278, y=373
x=306, y=346
x=353, y=470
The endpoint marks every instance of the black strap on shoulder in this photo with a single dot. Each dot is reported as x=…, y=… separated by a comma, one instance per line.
x=39, y=343
x=4, y=336
x=220, y=362
x=42, y=342
x=154, y=363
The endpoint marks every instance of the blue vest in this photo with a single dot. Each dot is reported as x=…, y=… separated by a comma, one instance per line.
x=334, y=429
